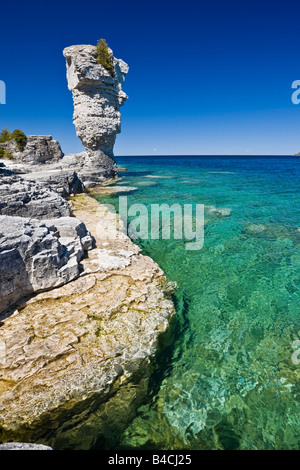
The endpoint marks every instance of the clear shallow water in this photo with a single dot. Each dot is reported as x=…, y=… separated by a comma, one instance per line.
x=228, y=381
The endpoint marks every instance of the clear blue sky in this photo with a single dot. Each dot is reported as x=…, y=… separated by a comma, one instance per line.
x=206, y=77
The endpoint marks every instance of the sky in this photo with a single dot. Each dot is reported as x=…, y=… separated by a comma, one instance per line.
x=205, y=77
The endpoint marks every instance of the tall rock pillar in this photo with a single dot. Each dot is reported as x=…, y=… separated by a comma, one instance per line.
x=97, y=97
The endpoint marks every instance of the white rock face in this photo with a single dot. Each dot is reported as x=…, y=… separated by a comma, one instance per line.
x=37, y=255
x=26, y=198
x=39, y=149
x=97, y=98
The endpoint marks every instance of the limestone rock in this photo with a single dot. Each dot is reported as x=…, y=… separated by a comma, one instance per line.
x=38, y=149
x=35, y=255
x=72, y=228
x=76, y=360
x=97, y=98
x=19, y=197
x=63, y=182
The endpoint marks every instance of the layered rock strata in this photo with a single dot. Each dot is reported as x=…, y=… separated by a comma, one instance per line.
x=97, y=97
x=26, y=198
x=39, y=255
x=76, y=360
x=38, y=149
x=41, y=246
x=63, y=182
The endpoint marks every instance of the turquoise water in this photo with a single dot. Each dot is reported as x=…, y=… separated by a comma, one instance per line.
x=228, y=380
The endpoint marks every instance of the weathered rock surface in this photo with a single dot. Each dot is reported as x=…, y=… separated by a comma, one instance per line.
x=55, y=176
x=63, y=182
x=38, y=149
x=19, y=197
x=23, y=446
x=75, y=361
x=39, y=255
x=97, y=98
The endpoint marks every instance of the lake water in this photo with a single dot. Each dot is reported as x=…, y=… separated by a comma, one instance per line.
x=228, y=380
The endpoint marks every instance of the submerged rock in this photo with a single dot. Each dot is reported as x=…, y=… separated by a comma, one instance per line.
x=97, y=97
x=255, y=228
x=218, y=211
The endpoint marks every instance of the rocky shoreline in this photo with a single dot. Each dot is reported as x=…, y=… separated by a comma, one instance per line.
x=82, y=311
x=76, y=358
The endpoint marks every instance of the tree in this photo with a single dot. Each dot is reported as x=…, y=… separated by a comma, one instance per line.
x=105, y=57
x=5, y=135
x=5, y=154
x=20, y=138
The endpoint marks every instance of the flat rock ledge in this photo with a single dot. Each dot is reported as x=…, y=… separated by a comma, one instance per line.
x=22, y=198
x=75, y=361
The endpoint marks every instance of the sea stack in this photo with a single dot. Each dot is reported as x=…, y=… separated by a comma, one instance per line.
x=97, y=96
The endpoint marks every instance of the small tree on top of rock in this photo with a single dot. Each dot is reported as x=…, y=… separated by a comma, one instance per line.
x=17, y=135
x=105, y=57
x=20, y=138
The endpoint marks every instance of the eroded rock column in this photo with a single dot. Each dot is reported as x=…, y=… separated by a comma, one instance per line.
x=97, y=97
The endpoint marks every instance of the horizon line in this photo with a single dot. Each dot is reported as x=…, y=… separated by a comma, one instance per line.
x=209, y=155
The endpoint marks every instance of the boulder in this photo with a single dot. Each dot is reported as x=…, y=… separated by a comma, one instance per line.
x=36, y=256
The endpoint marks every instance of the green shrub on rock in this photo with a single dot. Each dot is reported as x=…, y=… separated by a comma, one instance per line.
x=5, y=135
x=5, y=154
x=105, y=57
